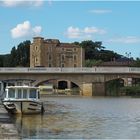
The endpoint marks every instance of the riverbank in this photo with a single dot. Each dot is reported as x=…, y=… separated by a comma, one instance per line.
x=42, y=96
x=7, y=127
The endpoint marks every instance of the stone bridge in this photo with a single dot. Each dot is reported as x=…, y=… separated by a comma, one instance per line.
x=91, y=81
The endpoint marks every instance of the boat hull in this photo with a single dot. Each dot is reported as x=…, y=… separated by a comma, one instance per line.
x=23, y=107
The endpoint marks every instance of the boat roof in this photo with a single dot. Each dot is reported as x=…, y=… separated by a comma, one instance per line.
x=22, y=87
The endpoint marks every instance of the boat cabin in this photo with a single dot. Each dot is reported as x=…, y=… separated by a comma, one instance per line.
x=22, y=92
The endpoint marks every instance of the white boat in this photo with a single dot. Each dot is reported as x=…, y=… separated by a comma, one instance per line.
x=23, y=99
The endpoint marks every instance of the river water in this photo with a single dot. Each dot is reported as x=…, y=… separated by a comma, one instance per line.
x=83, y=118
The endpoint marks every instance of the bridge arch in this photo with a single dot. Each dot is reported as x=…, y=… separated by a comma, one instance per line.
x=61, y=84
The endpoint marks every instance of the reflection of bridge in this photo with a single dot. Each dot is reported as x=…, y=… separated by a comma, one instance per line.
x=91, y=81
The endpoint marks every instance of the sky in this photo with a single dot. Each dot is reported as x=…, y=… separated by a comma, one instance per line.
x=115, y=23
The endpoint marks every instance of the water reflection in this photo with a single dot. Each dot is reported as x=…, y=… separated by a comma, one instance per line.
x=83, y=118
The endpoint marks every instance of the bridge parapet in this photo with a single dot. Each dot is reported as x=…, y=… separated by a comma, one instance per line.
x=93, y=70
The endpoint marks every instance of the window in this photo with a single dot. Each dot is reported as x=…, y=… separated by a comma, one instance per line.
x=24, y=93
x=32, y=93
x=75, y=57
x=75, y=65
x=62, y=57
x=35, y=60
x=19, y=93
x=50, y=57
x=75, y=49
x=11, y=93
x=62, y=65
x=50, y=65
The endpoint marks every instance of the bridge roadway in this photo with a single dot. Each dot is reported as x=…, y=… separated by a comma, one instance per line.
x=91, y=81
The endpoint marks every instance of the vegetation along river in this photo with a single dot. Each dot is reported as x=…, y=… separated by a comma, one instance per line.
x=83, y=118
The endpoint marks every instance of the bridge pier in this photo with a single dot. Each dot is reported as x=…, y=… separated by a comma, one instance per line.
x=99, y=89
x=87, y=89
x=93, y=89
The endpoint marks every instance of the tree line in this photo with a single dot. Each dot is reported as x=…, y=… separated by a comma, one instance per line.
x=95, y=53
x=18, y=57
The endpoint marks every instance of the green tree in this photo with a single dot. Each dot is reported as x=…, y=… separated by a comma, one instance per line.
x=6, y=60
x=136, y=63
x=23, y=54
x=18, y=57
x=13, y=57
x=91, y=48
x=96, y=51
x=93, y=62
x=1, y=60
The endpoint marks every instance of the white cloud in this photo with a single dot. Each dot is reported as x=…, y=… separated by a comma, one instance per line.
x=73, y=32
x=125, y=40
x=100, y=11
x=86, y=33
x=25, y=30
x=15, y=3
x=37, y=30
x=90, y=30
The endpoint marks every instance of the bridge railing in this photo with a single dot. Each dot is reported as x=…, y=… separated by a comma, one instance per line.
x=70, y=70
x=134, y=70
x=12, y=70
x=81, y=70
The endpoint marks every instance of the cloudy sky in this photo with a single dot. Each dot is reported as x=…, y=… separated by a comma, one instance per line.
x=116, y=24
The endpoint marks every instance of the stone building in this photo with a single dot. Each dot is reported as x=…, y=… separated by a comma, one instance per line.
x=53, y=53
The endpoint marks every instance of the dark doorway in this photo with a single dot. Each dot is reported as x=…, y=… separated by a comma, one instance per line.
x=62, y=85
x=113, y=87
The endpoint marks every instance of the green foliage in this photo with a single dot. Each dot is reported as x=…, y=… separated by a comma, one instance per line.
x=19, y=57
x=95, y=50
x=92, y=62
x=91, y=48
x=113, y=87
x=1, y=60
x=6, y=60
x=137, y=63
x=131, y=91
x=23, y=54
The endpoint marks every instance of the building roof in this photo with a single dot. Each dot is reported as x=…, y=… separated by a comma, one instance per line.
x=52, y=41
x=117, y=63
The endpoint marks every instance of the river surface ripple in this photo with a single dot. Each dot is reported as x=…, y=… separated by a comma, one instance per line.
x=83, y=118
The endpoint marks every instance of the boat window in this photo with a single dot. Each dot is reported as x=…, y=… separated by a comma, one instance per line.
x=11, y=93
x=24, y=93
x=19, y=93
x=32, y=93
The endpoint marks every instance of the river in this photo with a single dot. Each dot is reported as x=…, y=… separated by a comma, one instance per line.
x=83, y=118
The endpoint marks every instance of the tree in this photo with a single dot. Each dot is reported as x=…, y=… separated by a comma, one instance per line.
x=23, y=54
x=95, y=50
x=19, y=57
x=92, y=62
x=13, y=57
x=136, y=63
x=6, y=60
x=91, y=48
x=1, y=60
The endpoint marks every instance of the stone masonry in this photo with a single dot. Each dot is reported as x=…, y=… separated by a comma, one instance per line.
x=52, y=53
